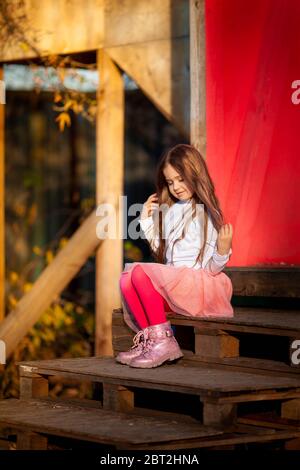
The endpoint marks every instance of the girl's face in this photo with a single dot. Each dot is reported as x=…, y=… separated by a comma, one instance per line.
x=176, y=183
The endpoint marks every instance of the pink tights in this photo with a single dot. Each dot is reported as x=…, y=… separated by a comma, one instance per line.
x=146, y=304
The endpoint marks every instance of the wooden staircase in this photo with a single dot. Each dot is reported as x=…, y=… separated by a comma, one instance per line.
x=215, y=398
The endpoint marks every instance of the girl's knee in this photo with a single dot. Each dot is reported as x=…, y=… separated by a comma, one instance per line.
x=124, y=281
x=137, y=274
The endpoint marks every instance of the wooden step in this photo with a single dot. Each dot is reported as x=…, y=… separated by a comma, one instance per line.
x=97, y=425
x=223, y=338
x=33, y=421
x=219, y=391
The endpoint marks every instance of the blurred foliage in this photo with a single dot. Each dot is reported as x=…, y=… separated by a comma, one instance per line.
x=132, y=252
x=65, y=329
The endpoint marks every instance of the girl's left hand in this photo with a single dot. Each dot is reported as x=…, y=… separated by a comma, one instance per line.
x=224, y=239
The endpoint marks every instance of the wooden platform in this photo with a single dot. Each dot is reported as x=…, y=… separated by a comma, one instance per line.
x=120, y=430
x=220, y=340
x=118, y=423
x=207, y=382
x=219, y=391
x=33, y=421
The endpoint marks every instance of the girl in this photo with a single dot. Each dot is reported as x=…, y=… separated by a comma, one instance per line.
x=191, y=246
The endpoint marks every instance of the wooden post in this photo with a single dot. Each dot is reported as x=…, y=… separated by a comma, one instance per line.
x=109, y=173
x=218, y=344
x=2, y=203
x=198, y=75
x=219, y=414
x=27, y=440
x=117, y=398
x=33, y=387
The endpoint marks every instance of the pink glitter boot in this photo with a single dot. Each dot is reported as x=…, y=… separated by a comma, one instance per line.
x=161, y=346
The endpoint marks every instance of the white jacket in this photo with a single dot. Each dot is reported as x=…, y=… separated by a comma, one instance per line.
x=187, y=249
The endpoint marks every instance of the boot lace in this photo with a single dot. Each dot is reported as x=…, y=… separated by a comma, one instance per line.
x=140, y=339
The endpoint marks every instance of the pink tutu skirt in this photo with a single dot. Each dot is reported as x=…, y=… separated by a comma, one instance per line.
x=187, y=291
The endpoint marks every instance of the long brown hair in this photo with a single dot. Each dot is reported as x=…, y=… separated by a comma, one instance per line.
x=191, y=166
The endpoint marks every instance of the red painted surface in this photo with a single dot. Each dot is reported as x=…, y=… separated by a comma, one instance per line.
x=253, y=127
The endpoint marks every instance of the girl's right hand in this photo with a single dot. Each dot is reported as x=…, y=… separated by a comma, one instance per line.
x=149, y=206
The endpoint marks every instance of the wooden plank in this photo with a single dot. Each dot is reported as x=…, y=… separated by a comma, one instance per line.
x=132, y=22
x=50, y=283
x=31, y=441
x=226, y=440
x=96, y=425
x=219, y=345
x=262, y=395
x=252, y=320
x=278, y=322
x=291, y=410
x=146, y=63
x=269, y=420
x=33, y=387
x=243, y=364
x=50, y=26
x=2, y=200
x=95, y=24
x=198, y=75
x=117, y=398
x=183, y=379
x=265, y=282
x=216, y=414
x=109, y=185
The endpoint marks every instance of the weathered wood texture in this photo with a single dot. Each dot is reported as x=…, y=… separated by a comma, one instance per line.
x=97, y=425
x=36, y=419
x=2, y=202
x=265, y=282
x=27, y=440
x=94, y=24
x=210, y=383
x=60, y=27
x=131, y=22
x=213, y=340
x=198, y=75
x=161, y=70
x=33, y=387
x=117, y=398
x=277, y=322
x=109, y=185
x=51, y=283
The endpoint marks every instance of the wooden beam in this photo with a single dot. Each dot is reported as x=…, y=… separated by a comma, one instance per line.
x=2, y=201
x=146, y=63
x=51, y=27
x=109, y=184
x=131, y=21
x=61, y=27
x=198, y=75
x=51, y=283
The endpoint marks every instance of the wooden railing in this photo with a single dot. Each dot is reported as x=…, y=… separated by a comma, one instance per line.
x=55, y=277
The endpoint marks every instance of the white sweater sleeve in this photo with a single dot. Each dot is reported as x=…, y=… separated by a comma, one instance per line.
x=217, y=262
x=147, y=226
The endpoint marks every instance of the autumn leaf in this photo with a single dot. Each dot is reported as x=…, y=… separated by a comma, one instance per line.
x=57, y=97
x=63, y=120
x=13, y=277
x=36, y=250
x=27, y=287
x=49, y=256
